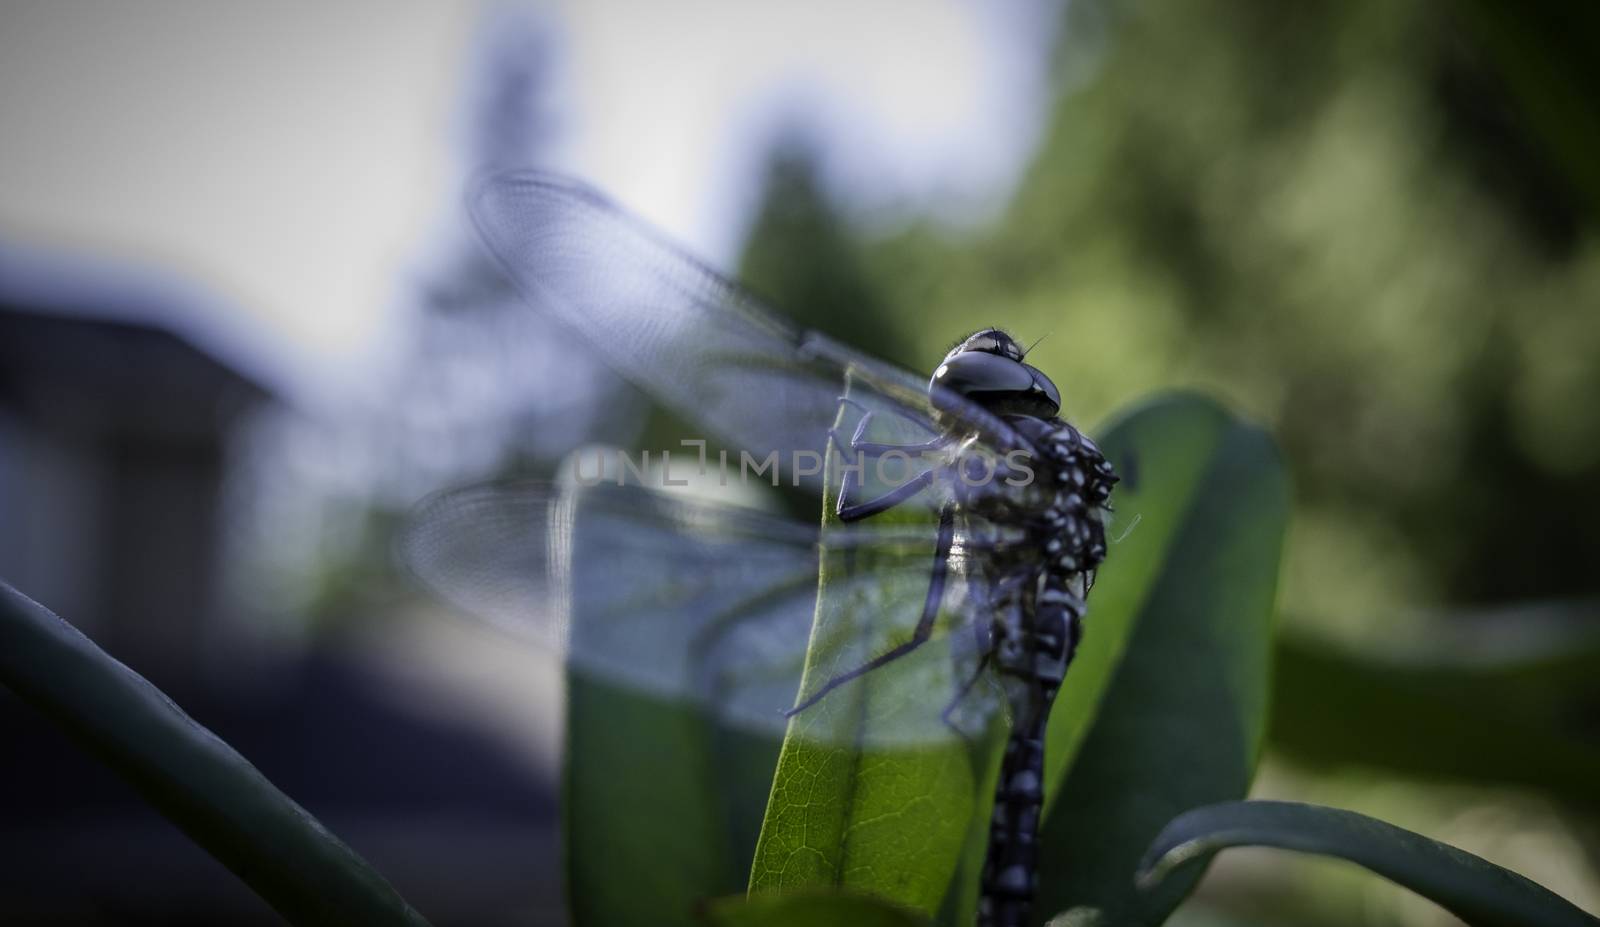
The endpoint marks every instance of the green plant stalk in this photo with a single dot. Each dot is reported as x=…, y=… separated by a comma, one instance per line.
x=1473, y=889
x=189, y=774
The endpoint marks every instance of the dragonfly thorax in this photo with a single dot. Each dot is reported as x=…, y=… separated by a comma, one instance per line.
x=1061, y=510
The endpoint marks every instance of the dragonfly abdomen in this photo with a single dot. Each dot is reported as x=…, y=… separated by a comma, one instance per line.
x=1032, y=660
x=1036, y=634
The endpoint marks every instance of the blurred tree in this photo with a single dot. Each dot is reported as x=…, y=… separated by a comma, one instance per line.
x=803, y=255
x=1373, y=226
x=1335, y=215
x=480, y=388
x=1543, y=50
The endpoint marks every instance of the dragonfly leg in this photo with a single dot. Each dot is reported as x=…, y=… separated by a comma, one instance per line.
x=983, y=644
x=857, y=446
x=848, y=511
x=961, y=694
x=897, y=413
x=924, y=629
x=848, y=450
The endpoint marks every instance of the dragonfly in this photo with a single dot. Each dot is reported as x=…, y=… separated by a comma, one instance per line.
x=679, y=595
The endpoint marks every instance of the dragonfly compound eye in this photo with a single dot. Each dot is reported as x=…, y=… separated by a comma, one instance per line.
x=989, y=341
x=996, y=382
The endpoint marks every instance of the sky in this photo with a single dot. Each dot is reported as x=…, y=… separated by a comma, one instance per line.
x=296, y=161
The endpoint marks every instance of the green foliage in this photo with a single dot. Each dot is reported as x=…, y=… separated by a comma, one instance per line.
x=1498, y=699
x=1542, y=50
x=869, y=821
x=804, y=909
x=1479, y=892
x=655, y=789
x=200, y=783
x=1182, y=716
x=1365, y=226
x=640, y=801
x=1334, y=218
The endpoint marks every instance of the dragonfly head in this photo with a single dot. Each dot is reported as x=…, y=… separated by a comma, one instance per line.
x=987, y=368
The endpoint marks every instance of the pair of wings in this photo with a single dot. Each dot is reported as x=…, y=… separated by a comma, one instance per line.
x=684, y=599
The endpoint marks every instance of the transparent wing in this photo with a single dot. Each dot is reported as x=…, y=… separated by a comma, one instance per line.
x=694, y=339
x=689, y=600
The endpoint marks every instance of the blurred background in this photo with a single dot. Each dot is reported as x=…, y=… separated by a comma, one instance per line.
x=244, y=325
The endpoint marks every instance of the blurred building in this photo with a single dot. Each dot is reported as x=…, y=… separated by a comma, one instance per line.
x=126, y=410
x=115, y=423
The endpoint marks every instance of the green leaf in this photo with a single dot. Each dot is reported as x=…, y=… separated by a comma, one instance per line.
x=640, y=803
x=1165, y=707
x=1473, y=889
x=871, y=793
x=655, y=790
x=809, y=909
x=200, y=783
x=1521, y=681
